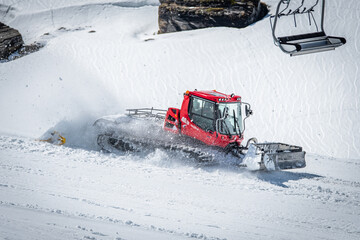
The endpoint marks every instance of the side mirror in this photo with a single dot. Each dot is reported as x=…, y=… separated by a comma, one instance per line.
x=248, y=111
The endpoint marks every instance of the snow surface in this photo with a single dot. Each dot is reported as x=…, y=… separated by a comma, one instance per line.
x=51, y=192
x=76, y=192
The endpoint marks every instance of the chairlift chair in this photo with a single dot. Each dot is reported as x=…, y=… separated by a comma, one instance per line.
x=304, y=43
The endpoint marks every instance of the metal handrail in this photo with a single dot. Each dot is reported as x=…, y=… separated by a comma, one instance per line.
x=147, y=112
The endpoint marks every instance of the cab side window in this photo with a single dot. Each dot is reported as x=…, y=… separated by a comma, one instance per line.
x=202, y=113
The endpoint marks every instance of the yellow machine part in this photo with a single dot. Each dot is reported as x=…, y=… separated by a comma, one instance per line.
x=55, y=138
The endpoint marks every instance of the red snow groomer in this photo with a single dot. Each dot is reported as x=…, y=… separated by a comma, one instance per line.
x=209, y=116
x=208, y=123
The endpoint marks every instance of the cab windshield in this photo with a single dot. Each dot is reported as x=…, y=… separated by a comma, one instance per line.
x=231, y=122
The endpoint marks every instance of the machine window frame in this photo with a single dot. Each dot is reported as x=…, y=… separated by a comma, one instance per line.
x=202, y=115
x=230, y=118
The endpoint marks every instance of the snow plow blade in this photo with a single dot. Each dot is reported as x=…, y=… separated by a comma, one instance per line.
x=277, y=156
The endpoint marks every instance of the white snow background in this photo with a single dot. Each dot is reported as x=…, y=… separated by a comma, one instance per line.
x=76, y=192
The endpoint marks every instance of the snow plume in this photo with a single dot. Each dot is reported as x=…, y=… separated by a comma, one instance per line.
x=79, y=132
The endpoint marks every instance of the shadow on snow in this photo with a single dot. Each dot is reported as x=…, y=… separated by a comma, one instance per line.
x=279, y=178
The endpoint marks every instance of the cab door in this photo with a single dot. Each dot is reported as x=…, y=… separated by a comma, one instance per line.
x=201, y=123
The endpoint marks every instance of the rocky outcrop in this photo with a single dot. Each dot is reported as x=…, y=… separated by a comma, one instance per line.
x=10, y=41
x=180, y=15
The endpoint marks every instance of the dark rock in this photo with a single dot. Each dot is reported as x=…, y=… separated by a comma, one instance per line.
x=23, y=51
x=180, y=15
x=10, y=41
x=27, y=49
x=12, y=45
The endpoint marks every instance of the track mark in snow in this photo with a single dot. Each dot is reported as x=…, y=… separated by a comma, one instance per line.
x=133, y=4
x=107, y=199
x=92, y=231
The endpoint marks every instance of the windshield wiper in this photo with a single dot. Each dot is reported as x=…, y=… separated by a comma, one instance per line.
x=236, y=124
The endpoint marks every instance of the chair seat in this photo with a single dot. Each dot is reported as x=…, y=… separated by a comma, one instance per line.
x=310, y=43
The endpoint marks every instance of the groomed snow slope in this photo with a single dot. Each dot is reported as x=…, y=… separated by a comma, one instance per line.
x=76, y=192
x=50, y=192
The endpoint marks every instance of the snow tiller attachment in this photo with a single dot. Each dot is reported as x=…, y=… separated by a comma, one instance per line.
x=209, y=126
x=276, y=156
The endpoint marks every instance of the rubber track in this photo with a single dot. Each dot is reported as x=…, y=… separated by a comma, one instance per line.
x=129, y=144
